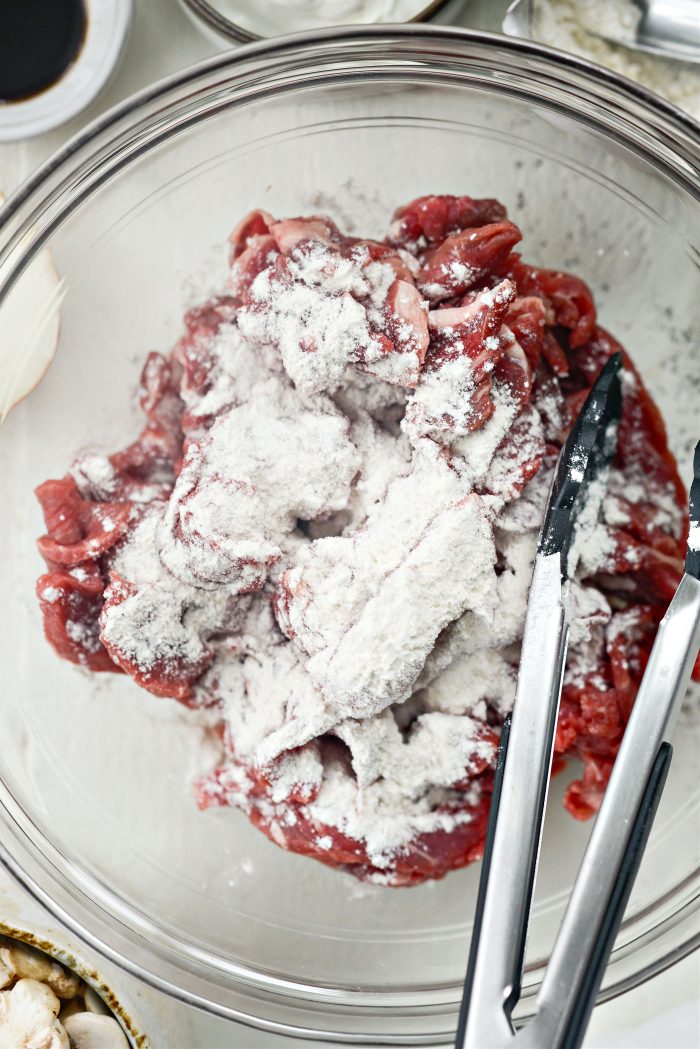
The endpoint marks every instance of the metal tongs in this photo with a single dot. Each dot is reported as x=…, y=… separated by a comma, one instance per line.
x=604, y=881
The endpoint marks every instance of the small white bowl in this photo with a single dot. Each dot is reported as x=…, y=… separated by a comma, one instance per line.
x=108, y=23
x=215, y=18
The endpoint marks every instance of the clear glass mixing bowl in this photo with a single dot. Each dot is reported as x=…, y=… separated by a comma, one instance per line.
x=96, y=814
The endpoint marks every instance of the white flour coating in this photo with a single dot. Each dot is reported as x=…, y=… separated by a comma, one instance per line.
x=51, y=594
x=243, y=487
x=399, y=777
x=415, y=508
x=475, y=452
x=257, y=676
x=593, y=546
x=633, y=489
x=384, y=530
x=443, y=401
x=82, y=635
x=525, y=514
x=326, y=311
x=470, y=682
x=95, y=476
x=383, y=628
x=272, y=702
x=565, y=24
x=524, y=446
x=471, y=634
x=367, y=608
x=238, y=366
x=448, y=570
x=96, y=479
x=445, y=405
x=343, y=572
x=359, y=394
x=164, y=622
x=440, y=750
x=588, y=610
x=387, y=815
x=384, y=458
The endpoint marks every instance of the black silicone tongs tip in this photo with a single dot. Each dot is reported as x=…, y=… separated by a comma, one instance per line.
x=588, y=449
x=692, y=559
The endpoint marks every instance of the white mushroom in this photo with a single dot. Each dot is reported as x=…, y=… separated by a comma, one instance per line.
x=28, y=1017
x=63, y=982
x=29, y=326
x=93, y=1002
x=25, y=961
x=71, y=1006
x=7, y=975
x=31, y=964
x=90, y=1031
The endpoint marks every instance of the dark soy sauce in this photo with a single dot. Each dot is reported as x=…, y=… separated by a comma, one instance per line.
x=38, y=41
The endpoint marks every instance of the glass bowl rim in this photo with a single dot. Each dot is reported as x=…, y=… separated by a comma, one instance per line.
x=37, y=209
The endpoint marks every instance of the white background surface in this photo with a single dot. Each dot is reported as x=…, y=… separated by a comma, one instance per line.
x=665, y=1012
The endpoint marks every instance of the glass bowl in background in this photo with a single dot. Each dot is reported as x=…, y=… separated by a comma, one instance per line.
x=96, y=812
x=242, y=21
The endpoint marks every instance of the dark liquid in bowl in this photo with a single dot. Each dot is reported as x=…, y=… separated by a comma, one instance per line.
x=39, y=39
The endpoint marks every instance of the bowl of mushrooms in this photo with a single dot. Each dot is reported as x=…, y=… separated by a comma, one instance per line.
x=51, y=1000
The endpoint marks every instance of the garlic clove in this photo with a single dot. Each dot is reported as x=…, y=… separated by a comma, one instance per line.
x=29, y=327
x=90, y=1031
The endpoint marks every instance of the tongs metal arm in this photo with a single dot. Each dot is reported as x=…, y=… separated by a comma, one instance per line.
x=606, y=876
x=619, y=835
x=515, y=820
x=521, y=784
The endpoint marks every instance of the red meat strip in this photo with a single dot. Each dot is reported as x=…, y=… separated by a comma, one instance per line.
x=568, y=297
x=428, y=220
x=468, y=342
x=70, y=602
x=164, y=665
x=78, y=530
x=466, y=259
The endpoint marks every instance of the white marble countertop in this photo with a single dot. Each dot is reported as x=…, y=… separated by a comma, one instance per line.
x=662, y=1014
